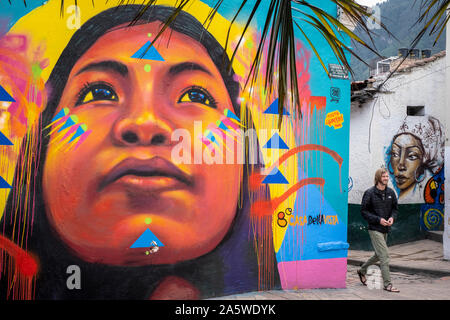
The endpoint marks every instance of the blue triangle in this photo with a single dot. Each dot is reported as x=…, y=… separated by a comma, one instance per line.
x=4, y=184
x=213, y=139
x=66, y=125
x=275, y=177
x=276, y=143
x=4, y=141
x=151, y=54
x=222, y=126
x=146, y=239
x=231, y=115
x=62, y=113
x=5, y=96
x=273, y=109
x=78, y=133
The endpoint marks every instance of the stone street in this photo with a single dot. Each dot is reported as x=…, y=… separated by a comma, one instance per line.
x=411, y=286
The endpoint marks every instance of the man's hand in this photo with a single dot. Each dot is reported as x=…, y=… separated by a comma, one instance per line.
x=383, y=222
x=390, y=221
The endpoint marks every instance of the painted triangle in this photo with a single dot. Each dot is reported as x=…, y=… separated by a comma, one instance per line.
x=231, y=115
x=273, y=109
x=146, y=239
x=70, y=122
x=78, y=133
x=276, y=143
x=64, y=112
x=4, y=184
x=151, y=54
x=5, y=96
x=4, y=141
x=275, y=177
x=222, y=125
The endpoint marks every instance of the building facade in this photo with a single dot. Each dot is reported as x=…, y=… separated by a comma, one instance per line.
x=148, y=167
x=399, y=123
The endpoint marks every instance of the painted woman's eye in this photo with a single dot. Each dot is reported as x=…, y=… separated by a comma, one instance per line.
x=413, y=156
x=96, y=92
x=198, y=95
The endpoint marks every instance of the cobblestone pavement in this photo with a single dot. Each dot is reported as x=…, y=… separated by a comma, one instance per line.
x=411, y=286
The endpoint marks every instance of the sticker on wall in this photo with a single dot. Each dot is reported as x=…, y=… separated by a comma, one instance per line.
x=335, y=94
x=334, y=119
x=148, y=52
x=337, y=71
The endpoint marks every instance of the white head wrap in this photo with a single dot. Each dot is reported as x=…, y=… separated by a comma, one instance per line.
x=430, y=132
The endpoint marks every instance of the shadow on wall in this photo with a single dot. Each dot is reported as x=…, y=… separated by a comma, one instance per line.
x=406, y=229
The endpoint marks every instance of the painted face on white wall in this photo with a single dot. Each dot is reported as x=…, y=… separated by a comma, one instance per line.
x=406, y=161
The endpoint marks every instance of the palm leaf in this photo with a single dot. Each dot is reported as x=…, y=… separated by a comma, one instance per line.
x=437, y=9
x=434, y=23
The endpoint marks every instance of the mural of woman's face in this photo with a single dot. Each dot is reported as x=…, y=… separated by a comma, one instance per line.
x=406, y=159
x=121, y=180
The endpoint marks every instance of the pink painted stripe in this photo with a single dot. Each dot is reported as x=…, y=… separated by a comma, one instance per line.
x=207, y=143
x=229, y=123
x=216, y=130
x=313, y=274
x=71, y=130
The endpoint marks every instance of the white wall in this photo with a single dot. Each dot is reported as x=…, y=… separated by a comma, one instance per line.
x=373, y=124
x=446, y=236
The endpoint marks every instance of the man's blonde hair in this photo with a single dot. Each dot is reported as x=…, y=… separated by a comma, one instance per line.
x=378, y=175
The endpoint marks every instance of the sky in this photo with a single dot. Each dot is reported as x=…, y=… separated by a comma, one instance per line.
x=369, y=2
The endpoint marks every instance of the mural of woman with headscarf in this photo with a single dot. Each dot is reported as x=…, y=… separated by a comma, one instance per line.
x=416, y=153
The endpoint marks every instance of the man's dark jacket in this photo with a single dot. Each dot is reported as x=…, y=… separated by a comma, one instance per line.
x=377, y=204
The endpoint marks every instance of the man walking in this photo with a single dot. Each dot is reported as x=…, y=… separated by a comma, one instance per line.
x=379, y=207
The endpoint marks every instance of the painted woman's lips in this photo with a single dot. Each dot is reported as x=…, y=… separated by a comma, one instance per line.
x=155, y=174
x=400, y=179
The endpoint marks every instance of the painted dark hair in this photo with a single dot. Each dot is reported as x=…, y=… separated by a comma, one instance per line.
x=230, y=268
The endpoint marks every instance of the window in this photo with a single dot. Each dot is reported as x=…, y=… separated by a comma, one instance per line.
x=415, y=110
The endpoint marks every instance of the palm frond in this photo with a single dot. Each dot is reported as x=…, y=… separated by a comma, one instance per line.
x=435, y=8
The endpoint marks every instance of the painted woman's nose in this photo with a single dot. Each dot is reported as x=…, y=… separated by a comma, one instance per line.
x=143, y=131
x=402, y=163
